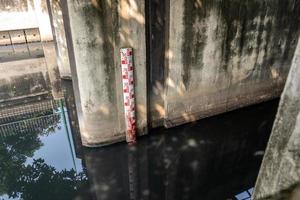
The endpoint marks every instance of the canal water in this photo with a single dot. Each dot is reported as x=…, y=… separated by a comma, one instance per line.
x=216, y=158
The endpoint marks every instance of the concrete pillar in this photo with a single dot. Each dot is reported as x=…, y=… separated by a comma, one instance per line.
x=43, y=21
x=280, y=167
x=222, y=55
x=98, y=29
x=52, y=69
x=58, y=30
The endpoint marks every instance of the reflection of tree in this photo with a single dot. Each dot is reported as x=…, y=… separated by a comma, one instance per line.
x=37, y=180
x=41, y=181
x=13, y=153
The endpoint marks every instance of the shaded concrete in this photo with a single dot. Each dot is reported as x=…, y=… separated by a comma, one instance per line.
x=221, y=55
x=280, y=168
x=156, y=17
x=213, y=159
x=98, y=29
x=21, y=79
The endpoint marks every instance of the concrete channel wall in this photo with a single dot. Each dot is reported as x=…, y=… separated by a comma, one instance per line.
x=58, y=29
x=26, y=35
x=279, y=173
x=192, y=59
x=222, y=55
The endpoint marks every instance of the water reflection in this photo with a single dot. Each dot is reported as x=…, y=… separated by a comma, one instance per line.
x=41, y=156
x=215, y=158
x=37, y=156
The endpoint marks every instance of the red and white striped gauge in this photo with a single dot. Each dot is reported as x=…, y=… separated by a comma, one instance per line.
x=128, y=93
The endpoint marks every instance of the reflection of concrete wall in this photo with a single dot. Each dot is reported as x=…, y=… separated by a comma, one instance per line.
x=187, y=162
x=223, y=55
x=280, y=168
x=72, y=115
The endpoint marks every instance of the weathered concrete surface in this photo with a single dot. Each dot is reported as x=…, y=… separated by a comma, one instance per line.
x=24, y=81
x=291, y=193
x=281, y=165
x=98, y=29
x=70, y=104
x=20, y=44
x=52, y=69
x=20, y=26
x=48, y=45
x=20, y=79
x=58, y=30
x=222, y=55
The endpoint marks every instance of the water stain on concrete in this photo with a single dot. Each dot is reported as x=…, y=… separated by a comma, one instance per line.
x=250, y=34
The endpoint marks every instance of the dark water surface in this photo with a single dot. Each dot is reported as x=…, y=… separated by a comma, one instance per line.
x=215, y=158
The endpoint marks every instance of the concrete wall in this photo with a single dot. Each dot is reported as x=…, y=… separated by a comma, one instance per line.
x=203, y=57
x=97, y=29
x=221, y=55
x=280, y=168
x=58, y=30
x=20, y=44
x=157, y=29
x=24, y=17
x=23, y=80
